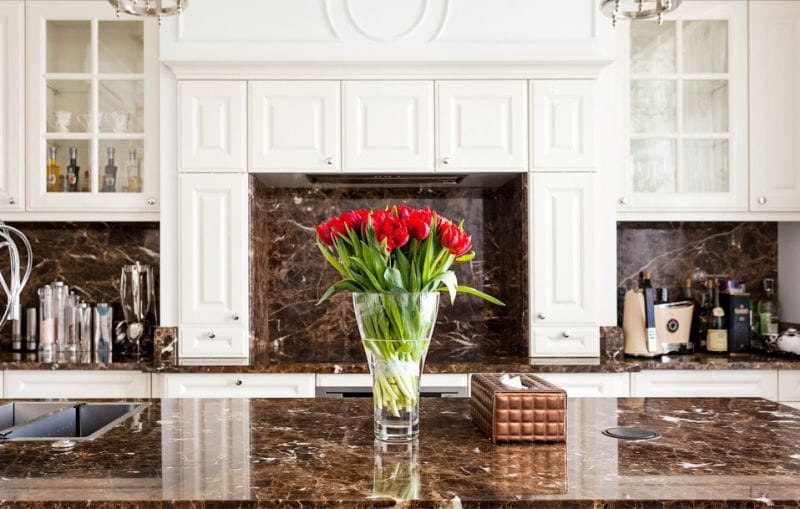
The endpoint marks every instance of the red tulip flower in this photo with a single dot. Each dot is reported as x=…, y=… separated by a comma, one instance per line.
x=392, y=229
x=454, y=239
x=419, y=223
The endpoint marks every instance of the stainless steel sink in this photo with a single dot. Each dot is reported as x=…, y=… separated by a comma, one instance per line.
x=17, y=413
x=70, y=421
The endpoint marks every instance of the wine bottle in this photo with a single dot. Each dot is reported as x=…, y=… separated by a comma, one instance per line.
x=768, y=317
x=86, y=182
x=688, y=295
x=134, y=181
x=110, y=173
x=717, y=341
x=705, y=316
x=53, y=172
x=72, y=170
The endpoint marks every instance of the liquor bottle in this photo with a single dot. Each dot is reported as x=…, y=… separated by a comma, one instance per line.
x=694, y=338
x=717, y=340
x=53, y=172
x=86, y=182
x=768, y=310
x=110, y=173
x=134, y=181
x=705, y=316
x=73, y=170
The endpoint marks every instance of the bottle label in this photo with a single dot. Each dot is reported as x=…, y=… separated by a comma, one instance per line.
x=51, y=179
x=768, y=323
x=718, y=312
x=717, y=340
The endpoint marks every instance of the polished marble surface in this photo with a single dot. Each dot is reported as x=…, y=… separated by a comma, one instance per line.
x=321, y=453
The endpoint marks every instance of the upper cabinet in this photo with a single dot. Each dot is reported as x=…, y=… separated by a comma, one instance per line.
x=775, y=106
x=388, y=125
x=686, y=124
x=92, y=109
x=446, y=31
x=12, y=115
x=294, y=126
x=482, y=125
x=213, y=126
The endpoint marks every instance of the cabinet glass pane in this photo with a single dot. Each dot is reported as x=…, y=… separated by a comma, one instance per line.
x=654, y=165
x=62, y=176
x=69, y=106
x=653, y=106
x=653, y=47
x=120, y=46
x=121, y=106
x=123, y=174
x=705, y=46
x=705, y=106
x=705, y=166
x=69, y=46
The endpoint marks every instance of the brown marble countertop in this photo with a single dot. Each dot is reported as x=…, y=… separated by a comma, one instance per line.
x=321, y=453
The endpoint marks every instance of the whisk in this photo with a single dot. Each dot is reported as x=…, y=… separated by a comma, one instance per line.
x=16, y=281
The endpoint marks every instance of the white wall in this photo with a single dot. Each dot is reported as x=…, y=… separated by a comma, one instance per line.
x=789, y=271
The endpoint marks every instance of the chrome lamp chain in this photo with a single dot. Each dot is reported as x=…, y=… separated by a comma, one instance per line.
x=638, y=9
x=149, y=8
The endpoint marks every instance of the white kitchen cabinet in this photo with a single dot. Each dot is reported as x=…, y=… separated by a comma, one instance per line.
x=481, y=125
x=789, y=385
x=447, y=384
x=774, y=106
x=562, y=264
x=212, y=126
x=213, y=285
x=684, y=110
x=239, y=385
x=295, y=126
x=591, y=385
x=92, y=89
x=23, y=384
x=562, y=124
x=388, y=126
x=722, y=384
x=12, y=105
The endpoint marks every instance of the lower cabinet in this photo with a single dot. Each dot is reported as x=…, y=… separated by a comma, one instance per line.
x=591, y=385
x=234, y=385
x=446, y=385
x=76, y=384
x=718, y=384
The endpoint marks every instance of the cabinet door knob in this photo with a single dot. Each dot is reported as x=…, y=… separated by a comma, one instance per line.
x=151, y=201
x=238, y=382
x=541, y=316
x=329, y=161
x=446, y=160
x=762, y=200
x=623, y=200
x=235, y=316
x=11, y=200
x=567, y=333
x=211, y=334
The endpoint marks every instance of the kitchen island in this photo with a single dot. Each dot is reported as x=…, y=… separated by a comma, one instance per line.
x=321, y=453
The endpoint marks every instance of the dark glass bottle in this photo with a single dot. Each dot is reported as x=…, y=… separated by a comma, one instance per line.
x=705, y=316
x=73, y=170
x=110, y=173
x=694, y=333
x=717, y=340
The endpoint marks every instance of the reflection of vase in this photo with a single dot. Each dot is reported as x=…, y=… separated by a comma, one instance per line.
x=396, y=470
x=396, y=331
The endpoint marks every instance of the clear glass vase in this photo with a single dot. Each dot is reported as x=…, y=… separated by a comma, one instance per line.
x=396, y=331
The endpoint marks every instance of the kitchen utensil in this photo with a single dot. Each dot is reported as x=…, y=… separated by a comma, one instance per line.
x=47, y=322
x=101, y=339
x=137, y=295
x=673, y=325
x=17, y=278
x=789, y=341
x=116, y=121
x=61, y=121
x=30, y=329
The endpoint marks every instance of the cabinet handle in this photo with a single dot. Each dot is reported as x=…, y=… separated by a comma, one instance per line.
x=238, y=382
x=151, y=201
x=623, y=200
x=567, y=333
x=12, y=201
x=762, y=200
x=211, y=334
x=541, y=316
x=235, y=316
x=329, y=161
x=446, y=160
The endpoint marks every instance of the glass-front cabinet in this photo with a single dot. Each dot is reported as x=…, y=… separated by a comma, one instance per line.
x=92, y=113
x=685, y=110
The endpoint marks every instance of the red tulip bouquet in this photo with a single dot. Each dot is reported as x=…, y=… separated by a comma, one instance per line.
x=396, y=261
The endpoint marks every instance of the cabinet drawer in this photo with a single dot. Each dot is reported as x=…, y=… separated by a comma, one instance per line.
x=213, y=342
x=235, y=385
x=76, y=384
x=726, y=384
x=591, y=385
x=789, y=385
x=566, y=341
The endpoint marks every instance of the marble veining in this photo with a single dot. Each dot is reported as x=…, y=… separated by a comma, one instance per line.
x=713, y=453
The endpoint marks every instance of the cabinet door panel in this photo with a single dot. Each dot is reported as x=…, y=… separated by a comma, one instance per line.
x=76, y=384
x=212, y=125
x=482, y=125
x=234, y=385
x=12, y=80
x=213, y=343
x=720, y=384
x=562, y=265
x=566, y=341
x=591, y=385
x=294, y=125
x=563, y=124
x=774, y=106
x=388, y=125
x=213, y=249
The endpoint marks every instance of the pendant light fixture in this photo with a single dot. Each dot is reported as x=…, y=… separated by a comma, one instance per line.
x=638, y=9
x=149, y=8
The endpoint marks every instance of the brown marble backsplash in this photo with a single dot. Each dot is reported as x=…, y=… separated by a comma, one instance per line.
x=288, y=274
x=86, y=256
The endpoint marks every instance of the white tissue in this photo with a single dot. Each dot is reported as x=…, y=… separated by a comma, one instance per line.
x=511, y=383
